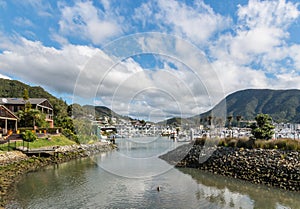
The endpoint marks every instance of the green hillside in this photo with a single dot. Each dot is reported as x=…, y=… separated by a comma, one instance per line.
x=281, y=105
x=13, y=88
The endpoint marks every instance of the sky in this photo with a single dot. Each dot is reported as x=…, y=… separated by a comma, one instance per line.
x=152, y=59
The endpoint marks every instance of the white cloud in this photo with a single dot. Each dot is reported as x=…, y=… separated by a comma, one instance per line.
x=286, y=81
x=236, y=77
x=258, y=47
x=86, y=21
x=294, y=53
x=53, y=68
x=274, y=13
x=4, y=76
x=197, y=23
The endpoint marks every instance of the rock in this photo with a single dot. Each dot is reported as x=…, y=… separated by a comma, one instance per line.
x=260, y=166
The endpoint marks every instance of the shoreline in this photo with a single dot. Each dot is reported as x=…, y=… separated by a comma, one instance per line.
x=15, y=164
x=274, y=168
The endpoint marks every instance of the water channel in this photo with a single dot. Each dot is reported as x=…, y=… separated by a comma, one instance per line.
x=129, y=177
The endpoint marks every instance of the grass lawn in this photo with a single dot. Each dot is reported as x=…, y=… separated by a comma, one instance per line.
x=54, y=141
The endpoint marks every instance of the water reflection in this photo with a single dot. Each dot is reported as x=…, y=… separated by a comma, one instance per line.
x=233, y=193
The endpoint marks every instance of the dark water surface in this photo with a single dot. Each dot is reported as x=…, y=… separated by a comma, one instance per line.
x=129, y=177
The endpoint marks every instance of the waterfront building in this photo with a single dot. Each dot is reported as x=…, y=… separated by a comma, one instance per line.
x=41, y=104
x=8, y=121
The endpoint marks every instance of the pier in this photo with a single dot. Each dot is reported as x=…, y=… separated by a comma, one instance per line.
x=43, y=152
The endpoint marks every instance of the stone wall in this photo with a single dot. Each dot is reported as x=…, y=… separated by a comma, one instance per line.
x=270, y=167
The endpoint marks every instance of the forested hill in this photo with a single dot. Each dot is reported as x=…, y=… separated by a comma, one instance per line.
x=13, y=88
x=281, y=105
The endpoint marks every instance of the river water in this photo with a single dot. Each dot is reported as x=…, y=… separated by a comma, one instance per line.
x=129, y=178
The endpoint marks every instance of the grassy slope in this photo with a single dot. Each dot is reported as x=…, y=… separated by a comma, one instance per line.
x=54, y=141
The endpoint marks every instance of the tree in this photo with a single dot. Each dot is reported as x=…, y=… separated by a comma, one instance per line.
x=229, y=119
x=238, y=119
x=28, y=136
x=263, y=129
x=32, y=117
x=26, y=99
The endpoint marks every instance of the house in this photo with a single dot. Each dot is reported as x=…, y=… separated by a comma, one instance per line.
x=8, y=121
x=42, y=104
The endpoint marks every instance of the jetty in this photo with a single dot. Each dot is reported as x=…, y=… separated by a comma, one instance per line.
x=41, y=152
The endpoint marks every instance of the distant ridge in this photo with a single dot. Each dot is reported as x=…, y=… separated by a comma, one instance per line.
x=281, y=105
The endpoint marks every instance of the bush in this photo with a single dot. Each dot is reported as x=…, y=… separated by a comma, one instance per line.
x=283, y=144
x=292, y=145
x=29, y=136
x=232, y=143
x=222, y=143
x=70, y=135
x=245, y=143
x=200, y=141
x=280, y=143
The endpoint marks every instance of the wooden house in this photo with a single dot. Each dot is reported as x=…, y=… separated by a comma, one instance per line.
x=42, y=104
x=8, y=121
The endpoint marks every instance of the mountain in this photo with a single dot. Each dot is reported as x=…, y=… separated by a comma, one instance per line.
x=101, y=111
x=13, y=88
x=281, y=105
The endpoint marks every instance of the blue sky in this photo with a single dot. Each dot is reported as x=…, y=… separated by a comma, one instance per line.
x=151, y=59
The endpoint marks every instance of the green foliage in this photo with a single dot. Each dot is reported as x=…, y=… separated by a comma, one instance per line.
x=281, y=144
x=83, y=126
x=86, y=139
x=28, y=136
x=26, y=99
x=32, y=117
x=70, y=135
x=263, y=129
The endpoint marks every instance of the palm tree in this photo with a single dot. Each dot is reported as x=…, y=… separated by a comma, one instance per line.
x=238, y=119
x=229, y=119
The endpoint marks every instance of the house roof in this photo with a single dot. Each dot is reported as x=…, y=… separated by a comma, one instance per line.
x=7, y=113
x=21, y=101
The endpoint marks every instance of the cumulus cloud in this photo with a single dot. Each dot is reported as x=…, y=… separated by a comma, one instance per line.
x=33, y=62
x=85, y=20
x=197, y=23
x=258, y=46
